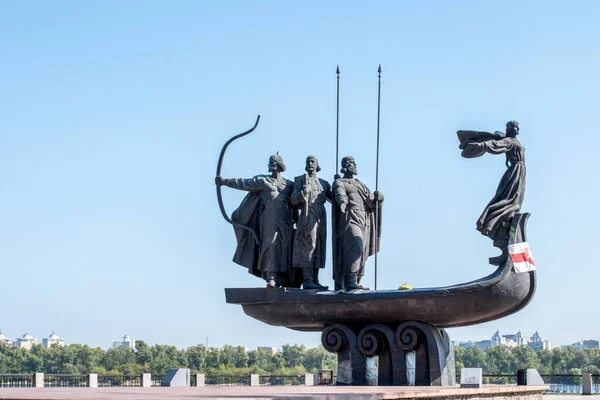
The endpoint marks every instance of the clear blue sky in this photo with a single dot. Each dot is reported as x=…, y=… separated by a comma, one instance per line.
x=112, y=116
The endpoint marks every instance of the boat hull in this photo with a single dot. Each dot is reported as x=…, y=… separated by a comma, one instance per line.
x=497, y=295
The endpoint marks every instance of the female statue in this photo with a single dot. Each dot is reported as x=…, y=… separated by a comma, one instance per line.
x=509, y=196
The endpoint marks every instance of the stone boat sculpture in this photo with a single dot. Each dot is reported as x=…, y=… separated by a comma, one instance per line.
x=404, y=329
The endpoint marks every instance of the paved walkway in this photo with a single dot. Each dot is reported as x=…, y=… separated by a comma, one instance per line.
x=570, y=397
x=268, y=393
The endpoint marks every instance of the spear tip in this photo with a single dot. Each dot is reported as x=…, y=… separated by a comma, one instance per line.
x=379, y=69
x=338, y=70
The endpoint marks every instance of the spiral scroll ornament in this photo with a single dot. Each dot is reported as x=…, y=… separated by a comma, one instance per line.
x=334, y=337
x=408, y=337
x=370, y=342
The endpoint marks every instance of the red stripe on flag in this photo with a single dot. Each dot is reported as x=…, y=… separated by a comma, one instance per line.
x=519, y=257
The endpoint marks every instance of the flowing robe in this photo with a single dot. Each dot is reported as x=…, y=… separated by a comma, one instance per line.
x=356, y=232
x=268, y=212
x=311, y=231
x=509, y=196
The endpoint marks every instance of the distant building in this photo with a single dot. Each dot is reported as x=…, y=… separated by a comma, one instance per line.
x=26, y=341
x=510, y=340
x=482, y=344
x=271, y=350
x=583, y=344
x=5, y=339
x=53, y=339
x=537, y=343
x=127, y=342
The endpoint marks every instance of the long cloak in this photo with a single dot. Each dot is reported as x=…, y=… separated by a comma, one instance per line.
x=271, y=220
x=310, y=240
x=340, y=223
x=247, y=250
x=509, y=196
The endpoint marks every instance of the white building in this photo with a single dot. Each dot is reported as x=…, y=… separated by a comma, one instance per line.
x=5, y=339
x=583, y=344
x=53, y=339
x=511, y=340
x=26, y=341
x=127, y=342
x=520, y=339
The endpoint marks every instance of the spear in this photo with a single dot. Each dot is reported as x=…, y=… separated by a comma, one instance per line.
x=337, y=125
x=377, y=170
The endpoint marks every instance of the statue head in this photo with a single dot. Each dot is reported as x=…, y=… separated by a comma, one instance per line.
x=512, y=128
x=276, y=163
x=312, y=164
x=349, y=165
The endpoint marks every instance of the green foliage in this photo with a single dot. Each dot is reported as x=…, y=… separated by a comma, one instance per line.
x=157, y=359
x=507, y=360
x=293, y=356
x=290, y=360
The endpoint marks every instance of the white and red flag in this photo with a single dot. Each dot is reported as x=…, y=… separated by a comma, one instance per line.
x=521, y=257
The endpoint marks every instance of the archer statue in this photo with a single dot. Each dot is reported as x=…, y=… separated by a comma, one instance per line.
x=494, y=222
x=266, y=210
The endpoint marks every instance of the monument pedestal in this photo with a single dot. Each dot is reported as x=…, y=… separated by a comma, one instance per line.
x=357, y=347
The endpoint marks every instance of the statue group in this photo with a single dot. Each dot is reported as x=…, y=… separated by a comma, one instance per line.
x=286, y=244
x=281, y=225
x=379, y=336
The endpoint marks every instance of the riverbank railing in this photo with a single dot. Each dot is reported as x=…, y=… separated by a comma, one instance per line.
x=227, y=380
x=65, y=380
x=281, y=380
x=119, y=381
x=596, y=383
x=557, y=383
x=16, y=380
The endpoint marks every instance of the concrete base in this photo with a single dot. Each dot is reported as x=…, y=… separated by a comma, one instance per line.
x=38, y=380
x=146, y=380
x=471, y=378
x=529, y=377
x=278, y=392
x=309, y=379
x=177, y=377
x=586, y=383
x=93, y=380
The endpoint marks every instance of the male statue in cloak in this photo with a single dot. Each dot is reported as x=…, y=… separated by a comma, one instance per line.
x=268, y=211
x=310, y=195
x=494, y=222
x=356, y=227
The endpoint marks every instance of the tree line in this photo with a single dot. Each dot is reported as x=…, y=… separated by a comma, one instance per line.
x=507, y=360
x=157, y=359
x=289, y=360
